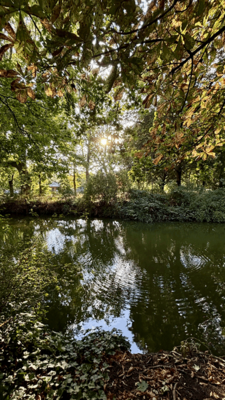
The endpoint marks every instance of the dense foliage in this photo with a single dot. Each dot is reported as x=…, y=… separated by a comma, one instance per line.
x=171, y=50
x=179, y=205
x=36, y=362
x=73, y=72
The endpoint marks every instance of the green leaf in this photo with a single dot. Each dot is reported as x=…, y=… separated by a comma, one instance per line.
x=200, y=7
x=142, y=387
x=177, y=50
x=189, y=41
x=166, y=53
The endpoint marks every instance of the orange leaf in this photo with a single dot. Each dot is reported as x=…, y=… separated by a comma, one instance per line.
x=10, y=30
x=157, y=159
x=91, y=105
x=30, y=93
x=4, y=37
x=59, y=93
x=47, y=25
x=10, y=73
x=33, y=69
x=21, y=95
x=3, y=49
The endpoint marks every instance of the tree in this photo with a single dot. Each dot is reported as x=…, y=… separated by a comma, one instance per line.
x=33, y=132
x=9, y=180
x=172, y=50
x=138, y=158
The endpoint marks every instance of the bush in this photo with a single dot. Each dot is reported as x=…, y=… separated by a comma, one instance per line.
x=180, y=196
x=179, y=205
x=209, y=206
x=101, y=187
x=123, y=182
x=37, y=363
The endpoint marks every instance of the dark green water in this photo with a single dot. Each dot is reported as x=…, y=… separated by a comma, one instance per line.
x=158, y=283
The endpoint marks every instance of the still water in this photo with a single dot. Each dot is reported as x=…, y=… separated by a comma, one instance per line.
x=158, y=284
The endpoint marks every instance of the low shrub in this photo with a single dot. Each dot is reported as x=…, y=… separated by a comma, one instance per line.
x=37, y=363
x=101, y=187
x=102, y=199
x=179, y=205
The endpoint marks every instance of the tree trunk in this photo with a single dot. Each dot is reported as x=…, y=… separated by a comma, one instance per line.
x=88, y=162
x=24, y=174
x=25, y=177
x=178, y=174
x=40, y=185
x=74, y=182
x=163, y=182
x=11, y=190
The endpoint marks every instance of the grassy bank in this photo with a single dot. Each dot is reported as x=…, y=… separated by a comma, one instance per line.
x=179, y=205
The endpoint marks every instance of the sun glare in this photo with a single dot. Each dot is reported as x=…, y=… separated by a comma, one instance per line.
x=104, y=141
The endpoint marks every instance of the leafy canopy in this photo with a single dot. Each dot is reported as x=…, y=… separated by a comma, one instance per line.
x=172, y=51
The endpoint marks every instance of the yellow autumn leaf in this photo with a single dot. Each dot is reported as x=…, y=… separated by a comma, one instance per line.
x=195, y=153
x=209, y=149
x=157, y=159
x=188, y=122
x=48, y=91
x=33, y=69
x=60, y=93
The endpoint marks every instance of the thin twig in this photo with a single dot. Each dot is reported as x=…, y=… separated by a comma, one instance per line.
x=36, y=27
x=146, y=25
x=174, y=391
x=192, y=54
x=5, y=322
x=189, y=86
x=159, y=366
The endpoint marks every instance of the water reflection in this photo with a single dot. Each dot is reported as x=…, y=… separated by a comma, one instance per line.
x=158, y=283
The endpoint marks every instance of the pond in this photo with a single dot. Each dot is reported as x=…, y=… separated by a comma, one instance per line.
x=158, y=284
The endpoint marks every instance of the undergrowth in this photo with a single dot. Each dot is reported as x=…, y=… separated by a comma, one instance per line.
x=39, y=364
x=180, y=204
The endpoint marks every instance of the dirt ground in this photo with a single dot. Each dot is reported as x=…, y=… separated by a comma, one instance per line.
x=166, y=375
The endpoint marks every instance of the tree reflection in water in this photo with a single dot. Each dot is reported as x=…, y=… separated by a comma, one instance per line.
x=167, y=279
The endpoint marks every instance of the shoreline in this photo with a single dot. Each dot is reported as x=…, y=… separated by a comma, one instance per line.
x=44, y=365
x=124, y=210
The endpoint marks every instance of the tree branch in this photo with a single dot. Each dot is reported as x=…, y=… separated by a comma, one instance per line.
x=149, y=24
x=189, y=85
x=192, y=53
x=125, y=46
